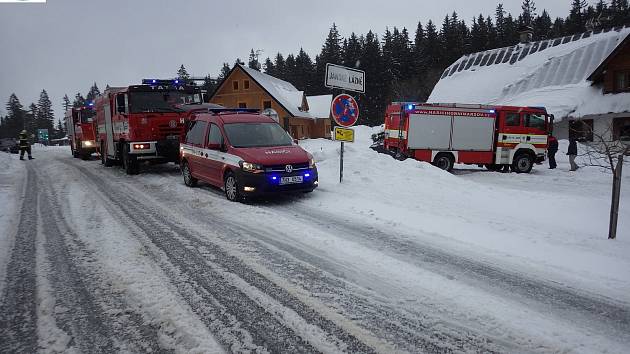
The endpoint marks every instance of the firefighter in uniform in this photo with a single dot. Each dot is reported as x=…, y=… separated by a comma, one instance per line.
x=25, y=146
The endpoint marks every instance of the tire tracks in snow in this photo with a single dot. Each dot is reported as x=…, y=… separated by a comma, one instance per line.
x=552, y=297
x=97, y=318
x=408, y=332
x=226, y=294
x=18, y=310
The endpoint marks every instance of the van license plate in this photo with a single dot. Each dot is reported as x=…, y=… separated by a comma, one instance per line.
x=291, y=180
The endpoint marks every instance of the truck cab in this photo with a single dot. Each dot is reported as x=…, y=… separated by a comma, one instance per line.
x=245, y=153
x=81, y=131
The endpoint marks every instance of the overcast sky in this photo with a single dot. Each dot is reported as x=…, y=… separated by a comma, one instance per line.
x=64, y=46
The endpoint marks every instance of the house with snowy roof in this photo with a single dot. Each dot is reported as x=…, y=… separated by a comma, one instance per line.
x=301, y=116
x=583, y=80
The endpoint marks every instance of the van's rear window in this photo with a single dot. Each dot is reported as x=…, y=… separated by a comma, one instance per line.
x=243, y=135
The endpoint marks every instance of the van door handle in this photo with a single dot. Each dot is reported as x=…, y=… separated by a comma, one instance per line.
x=222, y=158
x=529, y=138
x=206, y=155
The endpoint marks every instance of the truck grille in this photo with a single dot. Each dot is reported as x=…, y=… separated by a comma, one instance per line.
x=165, y=130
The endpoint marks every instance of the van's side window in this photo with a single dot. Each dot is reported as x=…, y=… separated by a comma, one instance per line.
x=196, y=133
x=215, y=137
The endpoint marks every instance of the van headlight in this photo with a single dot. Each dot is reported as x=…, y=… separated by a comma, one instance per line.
x=251, y=167
x=311, y=163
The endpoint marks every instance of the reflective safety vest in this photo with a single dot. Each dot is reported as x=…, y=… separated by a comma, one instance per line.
x=24, y=141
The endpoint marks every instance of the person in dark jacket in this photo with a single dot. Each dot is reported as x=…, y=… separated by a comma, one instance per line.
x=552, y=149
x=572, y=152
x=25, y=145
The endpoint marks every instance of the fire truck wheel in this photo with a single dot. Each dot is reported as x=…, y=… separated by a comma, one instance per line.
x=444, y=161
x=230, y=185
x=85, y=155
x=130, y=164
x=522, y=163
x=189, y=180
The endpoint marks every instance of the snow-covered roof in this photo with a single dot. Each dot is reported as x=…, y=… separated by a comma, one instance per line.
x=319, y=106
x=552, y=73
x=284, y=92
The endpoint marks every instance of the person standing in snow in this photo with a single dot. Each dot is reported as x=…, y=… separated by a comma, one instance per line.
x=25, y=145
x=572, y=152
x=552, y=149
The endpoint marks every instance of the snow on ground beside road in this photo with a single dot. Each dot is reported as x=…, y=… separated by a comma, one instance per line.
x=11, y=185
x=552, y=222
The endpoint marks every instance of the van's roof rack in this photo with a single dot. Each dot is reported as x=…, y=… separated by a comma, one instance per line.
x=233, y=110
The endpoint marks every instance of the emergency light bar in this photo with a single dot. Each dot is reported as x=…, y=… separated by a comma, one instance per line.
x=164, y=82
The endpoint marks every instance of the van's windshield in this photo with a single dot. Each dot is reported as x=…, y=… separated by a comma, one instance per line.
x=243, y=135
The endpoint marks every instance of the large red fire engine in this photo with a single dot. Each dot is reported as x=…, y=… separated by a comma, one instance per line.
x=142, y=122
x=445, y=134
x=81, y=132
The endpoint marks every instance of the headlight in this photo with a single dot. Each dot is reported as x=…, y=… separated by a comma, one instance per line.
x=88, y=143
x=311, y=163
x=251, y=167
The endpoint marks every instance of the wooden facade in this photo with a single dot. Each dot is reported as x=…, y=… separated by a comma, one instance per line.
x=240, y=90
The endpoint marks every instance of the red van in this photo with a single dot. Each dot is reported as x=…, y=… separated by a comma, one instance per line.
x=246, y=154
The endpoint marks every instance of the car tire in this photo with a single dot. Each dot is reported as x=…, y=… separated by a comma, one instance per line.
x=189, y=180
x=522, y=163
x=231, y=188
x=444, y=161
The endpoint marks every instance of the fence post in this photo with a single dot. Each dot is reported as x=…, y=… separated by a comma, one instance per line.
x=616, y=194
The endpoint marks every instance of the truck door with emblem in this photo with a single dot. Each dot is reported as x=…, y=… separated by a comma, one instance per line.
x=194, y=148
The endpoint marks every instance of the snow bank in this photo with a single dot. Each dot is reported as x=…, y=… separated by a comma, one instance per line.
x=552, y=222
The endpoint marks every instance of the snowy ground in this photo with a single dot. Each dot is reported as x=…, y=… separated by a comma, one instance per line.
x=400, y=257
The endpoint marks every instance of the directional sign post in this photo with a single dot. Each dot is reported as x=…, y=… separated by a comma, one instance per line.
x=345, y=112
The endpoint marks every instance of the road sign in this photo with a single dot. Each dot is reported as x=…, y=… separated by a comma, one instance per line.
x=344, y=134
x=42, y=135
x=345, y=78
x=345, y=110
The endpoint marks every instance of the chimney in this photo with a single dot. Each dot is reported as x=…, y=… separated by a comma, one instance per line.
x=526, y=34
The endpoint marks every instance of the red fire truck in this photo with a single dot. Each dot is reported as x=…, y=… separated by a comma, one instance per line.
x=449, y=133
x=81, y=132
x=142, y=122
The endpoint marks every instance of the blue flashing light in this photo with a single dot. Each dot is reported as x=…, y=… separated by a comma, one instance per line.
x=307, y=175
x=176, y=81
x=274, y=178
x=409, y=106
x=91, y=104
x=153, y=81
x=492, y=111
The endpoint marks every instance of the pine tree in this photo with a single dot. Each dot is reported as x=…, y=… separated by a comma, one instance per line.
x=253, y=61
x=270, y=69
x=209, y=85
x=330, y=53
x=14, y=121
x=45, y=117
x=182, y=73
x=374, y=101
x=225, y=71
x=93, y=93
x=352, y=52
x=31, y=116
x=529, y=12
x=576, y=22
x=79, y=100
x=543, y=26
x=499, y=19
x=304, y=72
x=558, y=28
x=66, y=103
x=60, y=130
x=279, y=66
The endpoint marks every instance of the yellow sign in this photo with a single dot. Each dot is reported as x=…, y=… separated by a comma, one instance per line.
x=344, y=134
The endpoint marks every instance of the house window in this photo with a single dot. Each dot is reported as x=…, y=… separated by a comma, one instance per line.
x=622, y=81
x=621, y=128
x=266, y=104
x=242, y=105
x=513, y=119
x=246, y=84
x=581, y=130
x=235, y=85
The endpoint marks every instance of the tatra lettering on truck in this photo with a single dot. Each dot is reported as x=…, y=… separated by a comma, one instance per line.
x=449, y=133
x=81, y=131
x=143, y=122
x=245, y=153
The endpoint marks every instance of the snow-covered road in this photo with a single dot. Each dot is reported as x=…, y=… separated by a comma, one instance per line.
x=93, y=260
